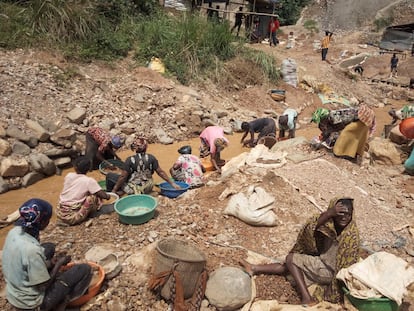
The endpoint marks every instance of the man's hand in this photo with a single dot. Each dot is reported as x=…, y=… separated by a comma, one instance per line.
x=64, y=260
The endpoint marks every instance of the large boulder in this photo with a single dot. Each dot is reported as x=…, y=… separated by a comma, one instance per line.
x=383, y=151
x=228, y=288
x=21, y=148
x=5, y=148
x=42, y=164
x=31, y=178
x=64, y=137
x=14, y=132
x=14, y=167
x=39, y=131
x=77, y=115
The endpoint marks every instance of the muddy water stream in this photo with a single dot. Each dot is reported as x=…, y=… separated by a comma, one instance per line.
x=50, y=188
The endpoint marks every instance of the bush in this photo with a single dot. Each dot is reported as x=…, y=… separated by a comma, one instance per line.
x=266, y=63
x=383, y=22
x=311, y=25
x=186, y=45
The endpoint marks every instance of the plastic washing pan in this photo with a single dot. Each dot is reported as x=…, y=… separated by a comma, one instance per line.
x=105, y=169
x=168, y=191
x=371, y=304
x=135, y=209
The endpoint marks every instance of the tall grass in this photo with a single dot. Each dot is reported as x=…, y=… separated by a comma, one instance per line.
x=265, y=62
x=188, y=45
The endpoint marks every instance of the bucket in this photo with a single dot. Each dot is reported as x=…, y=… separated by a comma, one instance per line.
x=190, y=263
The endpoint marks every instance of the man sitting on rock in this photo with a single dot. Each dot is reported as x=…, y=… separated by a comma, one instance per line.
x=327, y=243
x=136, y=177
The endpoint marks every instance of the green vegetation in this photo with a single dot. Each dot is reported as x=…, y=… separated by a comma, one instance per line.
x=264, y=61
x=188, y=44
x=381, y=23
x=311, y=25
x=289, y=10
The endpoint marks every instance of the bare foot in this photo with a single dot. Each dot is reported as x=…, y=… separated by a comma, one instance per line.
x=248, y=267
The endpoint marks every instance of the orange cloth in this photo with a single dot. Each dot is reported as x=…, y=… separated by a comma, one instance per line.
x=325, y=42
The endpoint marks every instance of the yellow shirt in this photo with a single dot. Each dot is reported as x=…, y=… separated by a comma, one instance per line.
x=325, y=42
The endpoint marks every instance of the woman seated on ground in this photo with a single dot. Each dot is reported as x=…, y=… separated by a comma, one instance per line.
x=327, y=243
x=188, y=168
x=81, y=194
x=212, y=143
x=32, y=271
x=136, y=176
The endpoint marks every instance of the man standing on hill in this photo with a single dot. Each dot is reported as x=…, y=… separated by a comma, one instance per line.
x=273, y=27
x=394, y=64
x=325, y=44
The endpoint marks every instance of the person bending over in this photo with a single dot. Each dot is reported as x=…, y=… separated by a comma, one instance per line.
x=212, y=143
x=101, y=146
x=287, y=122
x=263, y=126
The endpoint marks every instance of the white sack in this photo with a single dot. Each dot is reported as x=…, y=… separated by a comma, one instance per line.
x=253, y=208
x=382, y=272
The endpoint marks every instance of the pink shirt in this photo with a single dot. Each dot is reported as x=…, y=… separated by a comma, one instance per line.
x=76, y=187
x=210, y=134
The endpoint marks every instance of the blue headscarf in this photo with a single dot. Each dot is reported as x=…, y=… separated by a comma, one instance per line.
x=33, y=213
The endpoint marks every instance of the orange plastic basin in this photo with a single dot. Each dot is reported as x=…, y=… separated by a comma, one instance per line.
x=207, y=164
x=407, y=127
x=94, y=287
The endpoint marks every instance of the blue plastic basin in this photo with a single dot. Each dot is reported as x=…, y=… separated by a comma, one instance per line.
x=168, y=191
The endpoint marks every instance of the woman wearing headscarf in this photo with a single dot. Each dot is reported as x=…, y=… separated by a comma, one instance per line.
x=331, y=123
x=81, y=194
x=136, y=177
x=32, y=272
x=327, y=243
x=188, y=168
x=101, y=146
x=212, y=143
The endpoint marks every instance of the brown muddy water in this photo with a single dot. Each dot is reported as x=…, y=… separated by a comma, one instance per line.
x=50, y=188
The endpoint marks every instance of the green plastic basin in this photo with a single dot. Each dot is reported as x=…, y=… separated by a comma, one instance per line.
x=135, y=209
x=371, y=304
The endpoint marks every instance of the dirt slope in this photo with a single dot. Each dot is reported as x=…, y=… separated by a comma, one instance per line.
x=385, y=197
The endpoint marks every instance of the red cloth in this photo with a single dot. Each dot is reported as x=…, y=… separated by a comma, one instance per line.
x=274, y=26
